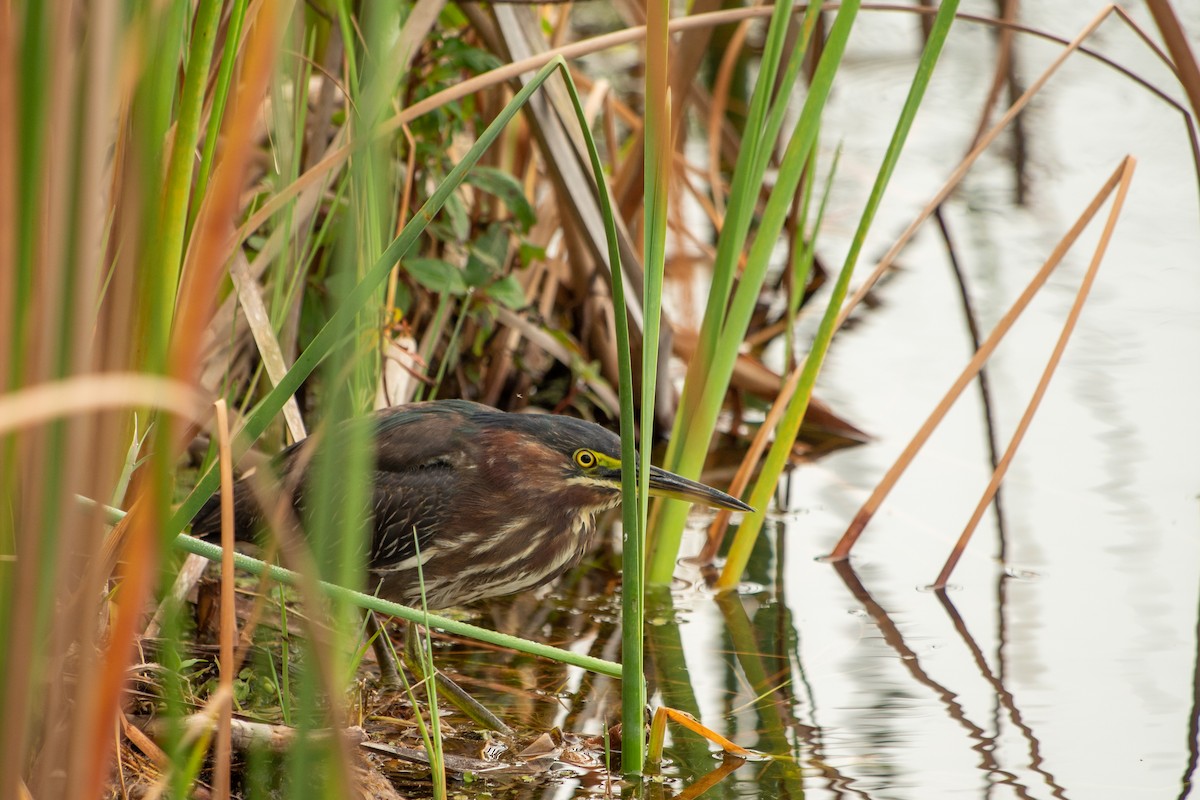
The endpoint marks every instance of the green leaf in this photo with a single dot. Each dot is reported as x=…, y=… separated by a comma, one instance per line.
x=508, y=292
x=436, y=275
x=528, y=252
x=507, y=188
x=488, y=254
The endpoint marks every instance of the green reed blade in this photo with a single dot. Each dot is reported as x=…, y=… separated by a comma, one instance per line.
x=710, y=395
x=178, y=188
x=789, y=426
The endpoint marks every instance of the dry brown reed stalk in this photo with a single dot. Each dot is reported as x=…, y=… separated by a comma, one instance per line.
x=228, y=628
x=249, y=295
x=1182, y=58
x=1125, y=177
x=1003, y=325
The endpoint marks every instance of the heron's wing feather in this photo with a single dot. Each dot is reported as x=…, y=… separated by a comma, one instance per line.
x=423, y=453
x=424, y=435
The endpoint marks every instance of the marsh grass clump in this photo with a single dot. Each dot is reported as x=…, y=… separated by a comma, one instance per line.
x=226, y=226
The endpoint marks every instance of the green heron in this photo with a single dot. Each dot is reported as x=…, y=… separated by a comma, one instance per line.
x=498, y=503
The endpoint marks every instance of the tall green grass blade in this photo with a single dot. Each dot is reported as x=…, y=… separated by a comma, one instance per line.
x=433, y=735
x=740, y=210
x=806, y=248
x=764, y=121
x=702, y=418
x=233, y=32
x=747, y=177
x=173, y=222
x=657, y=151
x=164, y=34
x=789, y=426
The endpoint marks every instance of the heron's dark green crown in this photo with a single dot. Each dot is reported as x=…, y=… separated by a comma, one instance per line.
x=584, y=456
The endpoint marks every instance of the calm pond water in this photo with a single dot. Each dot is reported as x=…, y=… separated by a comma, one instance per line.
x=1063, y=662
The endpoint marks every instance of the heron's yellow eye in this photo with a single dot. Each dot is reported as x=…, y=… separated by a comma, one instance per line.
x=585, y=458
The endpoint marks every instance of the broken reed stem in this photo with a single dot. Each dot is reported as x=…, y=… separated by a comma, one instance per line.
x=658, y=735
x=1126, y=176
x=864, y=515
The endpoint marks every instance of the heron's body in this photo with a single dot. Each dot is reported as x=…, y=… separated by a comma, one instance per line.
x=486, y=502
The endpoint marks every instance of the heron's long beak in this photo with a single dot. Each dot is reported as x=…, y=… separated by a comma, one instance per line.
x=668, y=484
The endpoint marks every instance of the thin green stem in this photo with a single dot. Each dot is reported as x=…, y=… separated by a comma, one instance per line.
x=286, y=576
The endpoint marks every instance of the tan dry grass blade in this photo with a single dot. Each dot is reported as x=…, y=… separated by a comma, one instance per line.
x=1126, y=176
x=224, y=753
x=864, y=515
x=1182, y=57
x=83, y=394
x=250, y=297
